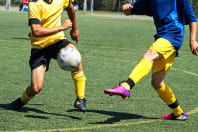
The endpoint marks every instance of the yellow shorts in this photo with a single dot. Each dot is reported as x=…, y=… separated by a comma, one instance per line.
x=165, y=48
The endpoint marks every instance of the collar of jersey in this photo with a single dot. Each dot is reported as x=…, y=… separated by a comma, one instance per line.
x=48, y=1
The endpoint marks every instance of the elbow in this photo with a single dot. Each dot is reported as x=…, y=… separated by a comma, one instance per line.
x=37, y=34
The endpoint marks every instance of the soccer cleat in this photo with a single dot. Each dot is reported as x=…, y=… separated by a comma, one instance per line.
x=171, y=116
x=15, y=105
x=118, y=90
x=81, y=104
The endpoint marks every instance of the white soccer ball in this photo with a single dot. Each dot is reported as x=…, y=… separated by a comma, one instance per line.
x=68, y=58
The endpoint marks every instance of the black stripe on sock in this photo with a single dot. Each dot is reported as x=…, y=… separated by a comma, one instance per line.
x=174, y=105
x=131, y=83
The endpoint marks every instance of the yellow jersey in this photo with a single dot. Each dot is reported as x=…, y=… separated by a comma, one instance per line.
x=48, y=14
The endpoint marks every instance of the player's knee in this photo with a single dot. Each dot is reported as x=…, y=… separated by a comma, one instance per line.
x=37, y=88
x=71, y=45
x=151, y=55
x=156, y=84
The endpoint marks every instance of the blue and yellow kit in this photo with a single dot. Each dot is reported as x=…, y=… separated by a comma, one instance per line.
x=169, y=16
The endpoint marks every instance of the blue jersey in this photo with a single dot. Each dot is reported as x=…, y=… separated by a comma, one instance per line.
x=169, y=16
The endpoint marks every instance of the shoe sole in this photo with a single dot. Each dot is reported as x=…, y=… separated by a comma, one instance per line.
x=111, y=94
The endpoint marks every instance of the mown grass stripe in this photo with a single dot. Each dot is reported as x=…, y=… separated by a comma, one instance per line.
x=194, y=111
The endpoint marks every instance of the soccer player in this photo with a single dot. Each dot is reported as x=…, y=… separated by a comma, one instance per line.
x=169, y=17
x=47, y=38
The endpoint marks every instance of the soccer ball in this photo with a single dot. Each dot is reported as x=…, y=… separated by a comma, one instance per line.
x=68, y=58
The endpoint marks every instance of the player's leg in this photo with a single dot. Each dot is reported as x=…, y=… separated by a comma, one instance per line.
x=39, y=63
x=167, y=95
x=159, y=70
x=37, y=81
x=140, y=71
x=37, y=78
x=79, y=80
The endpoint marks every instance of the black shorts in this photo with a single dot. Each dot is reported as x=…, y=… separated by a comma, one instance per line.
x=42, y=56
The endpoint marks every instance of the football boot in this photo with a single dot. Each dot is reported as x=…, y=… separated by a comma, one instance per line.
x=171, y=116
x=118, y=90
x=81, y=104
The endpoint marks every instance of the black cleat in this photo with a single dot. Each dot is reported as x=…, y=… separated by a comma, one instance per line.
x=81, y=104
x=15, y=105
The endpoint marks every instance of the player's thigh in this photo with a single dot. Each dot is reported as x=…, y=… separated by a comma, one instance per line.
x=152, y=55
x=163, y=47
x=168, y=52
x=38, y=77
x=165, y=63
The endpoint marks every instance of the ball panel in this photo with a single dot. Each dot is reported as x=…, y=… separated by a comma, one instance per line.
x=68, y=58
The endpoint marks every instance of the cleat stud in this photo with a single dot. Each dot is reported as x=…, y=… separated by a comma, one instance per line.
x=125, y=97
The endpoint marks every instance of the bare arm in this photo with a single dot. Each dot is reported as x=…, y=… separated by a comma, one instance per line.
x=39, y=31
x=126, y=8
x=193, y=42
x=72, y=15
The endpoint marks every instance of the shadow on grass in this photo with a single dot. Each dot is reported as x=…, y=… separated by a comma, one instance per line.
x=116, y=116
x=27, y=109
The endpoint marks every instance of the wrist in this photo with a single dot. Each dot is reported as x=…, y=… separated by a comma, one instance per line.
x=60, y=28
x=74, y=29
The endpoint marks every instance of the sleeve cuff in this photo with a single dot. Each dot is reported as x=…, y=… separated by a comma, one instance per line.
x=34, y=21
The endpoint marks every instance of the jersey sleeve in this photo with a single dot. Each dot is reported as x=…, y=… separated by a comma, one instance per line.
x=34, y=14
x=67, y=3
x=141, y=7
x=186, y=12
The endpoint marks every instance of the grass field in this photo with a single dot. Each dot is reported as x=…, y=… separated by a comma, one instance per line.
x=110, y=48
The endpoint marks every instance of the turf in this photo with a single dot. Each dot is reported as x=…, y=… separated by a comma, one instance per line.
x=110, y=48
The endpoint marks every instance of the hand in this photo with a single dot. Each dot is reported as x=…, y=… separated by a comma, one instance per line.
x=66, y=24
x=126, y=8
x=74, y=35
x=194, y=47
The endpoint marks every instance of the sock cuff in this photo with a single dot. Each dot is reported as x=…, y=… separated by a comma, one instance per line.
x=146, y=61
x=161, y=89
x=174, y=105
x=25, y=98
x=130, y=82
x=78, y=75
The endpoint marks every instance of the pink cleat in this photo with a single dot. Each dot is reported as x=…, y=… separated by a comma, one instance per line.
x=118, y=90
x=171, y=116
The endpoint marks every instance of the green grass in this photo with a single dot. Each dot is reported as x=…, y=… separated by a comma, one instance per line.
x=110, y=48
x=81, y=12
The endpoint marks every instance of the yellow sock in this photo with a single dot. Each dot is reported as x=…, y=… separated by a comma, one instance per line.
x=141, y=70
x=25, y=98
x=79, y=81
x=177, y=111
x=127, y=86
x=168, y=97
